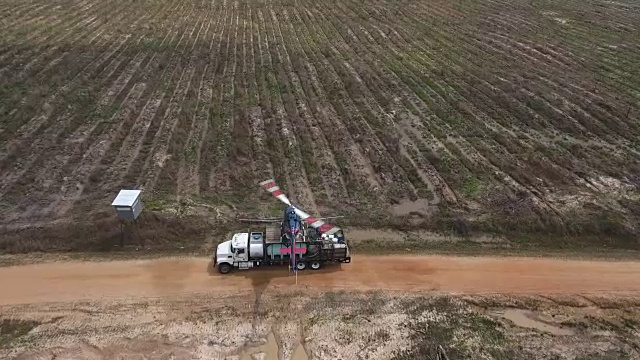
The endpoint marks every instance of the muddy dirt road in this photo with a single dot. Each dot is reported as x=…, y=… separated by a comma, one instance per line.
x=69, y=281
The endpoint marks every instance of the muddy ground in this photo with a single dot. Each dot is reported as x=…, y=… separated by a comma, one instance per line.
x=325, y=325
x=390, y=307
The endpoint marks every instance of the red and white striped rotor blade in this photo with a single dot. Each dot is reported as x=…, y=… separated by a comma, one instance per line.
x=271, y=186
x=319, y=225
x=324, y=228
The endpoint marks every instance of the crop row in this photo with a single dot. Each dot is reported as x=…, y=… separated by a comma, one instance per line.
x=348, y=104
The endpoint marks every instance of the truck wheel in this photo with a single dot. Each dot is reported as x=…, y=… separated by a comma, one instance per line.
x=224, y=268
x=301, y=265
x=315, y=265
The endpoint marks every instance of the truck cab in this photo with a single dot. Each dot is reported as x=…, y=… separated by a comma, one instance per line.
x=243, y=251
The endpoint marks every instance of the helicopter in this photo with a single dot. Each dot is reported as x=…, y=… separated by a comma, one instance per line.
x=292, y=225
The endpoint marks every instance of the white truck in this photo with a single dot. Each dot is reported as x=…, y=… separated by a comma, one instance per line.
x=251, y=249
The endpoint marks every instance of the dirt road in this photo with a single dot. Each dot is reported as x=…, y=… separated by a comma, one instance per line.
x=69, y=281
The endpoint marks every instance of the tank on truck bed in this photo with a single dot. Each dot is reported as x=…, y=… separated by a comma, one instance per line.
x=266, y=248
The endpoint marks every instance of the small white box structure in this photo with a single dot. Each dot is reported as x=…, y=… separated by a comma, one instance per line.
x=128, y=204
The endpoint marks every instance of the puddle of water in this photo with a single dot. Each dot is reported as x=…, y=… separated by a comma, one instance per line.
x=527, y=319
x=269, y=351
x=299, y=353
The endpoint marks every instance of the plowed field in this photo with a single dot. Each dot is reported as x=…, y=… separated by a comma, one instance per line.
x=513, y=115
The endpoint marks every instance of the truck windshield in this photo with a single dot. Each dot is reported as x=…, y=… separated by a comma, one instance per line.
x=231, y=247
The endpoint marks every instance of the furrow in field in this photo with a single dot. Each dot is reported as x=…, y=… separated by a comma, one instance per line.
x=352, y=107
x=125, y=148
x=442, y=100
x=78, y=138
x=374, y=87
x=52, y=106
x=52, y=48
x=48, y=110
x=241, y=164
x=51, y=169
x=299, y=113
x=189, y=182
x=17, y=12
x=397, y=69
x=188, y=185
x=596, y=128
x=57, y=77
x=75, y=183
x=266, y=90
x=332, y=178
x=262, y=164
x=158, y=156
x=99, y=141
x=394, y=78
x=168, y=181
x=371, y=122
x=300, y=155
x=48, y=171
x=349, y=154
x=219, y=172
x=148, y=143
x=214, y=137
x=576, y=41
x=28, y=15
x=53, y=31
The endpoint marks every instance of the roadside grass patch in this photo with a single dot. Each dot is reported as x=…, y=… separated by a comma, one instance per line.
x=12, y=330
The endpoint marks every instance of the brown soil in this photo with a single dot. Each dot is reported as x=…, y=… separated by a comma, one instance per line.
x=71, y=281
x=517, y=118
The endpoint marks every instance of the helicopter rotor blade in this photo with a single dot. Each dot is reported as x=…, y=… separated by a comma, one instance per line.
x=271, y=186
x=324, y=228
x=317, y=224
